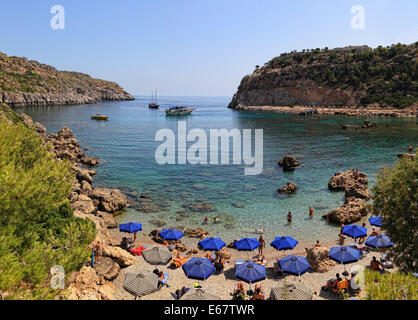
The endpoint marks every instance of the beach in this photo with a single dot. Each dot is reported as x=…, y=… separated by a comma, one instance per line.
x=223, y=284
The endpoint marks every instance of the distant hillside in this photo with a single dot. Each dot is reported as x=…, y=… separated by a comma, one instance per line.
x=26, y=82
x=350, y=76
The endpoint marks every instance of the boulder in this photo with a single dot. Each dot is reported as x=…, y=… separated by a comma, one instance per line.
x=352, y=210
x=342, y=180
x=288, y=163
x=357, y=190
x=410, y=156
x=318, y=259
x=107, y=268
x=108, y=219
x=158, y=223
x=85, y=188
x=180, y=247
x=196, y=233
x=120, y=256
x=84, y=204
x=288, y=188
x=90, y=161
x=82, y=175
x=109, y=200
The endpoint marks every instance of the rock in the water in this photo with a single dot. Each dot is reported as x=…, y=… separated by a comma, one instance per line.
x=288, y=163
x=90, y=161
x=158, y=223
x=238, y=205
x=357, y=190
x=109, y=200
x=342, y=180
x=120, y=256
x=318, y=259
x=196, y=233
x=410, y=156
x=352, y=210
x=199, y=206
x=288, y=188
x=108, y=268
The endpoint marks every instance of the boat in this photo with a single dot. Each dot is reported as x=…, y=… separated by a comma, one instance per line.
x=154, y=105
x=179, y=111
x=98, y=116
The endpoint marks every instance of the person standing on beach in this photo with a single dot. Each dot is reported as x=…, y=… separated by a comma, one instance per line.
x=135, y=236
x=289, y=217
x=263, y=245
x=310, y=212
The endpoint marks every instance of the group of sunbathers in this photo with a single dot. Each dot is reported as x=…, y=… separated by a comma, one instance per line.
x=217, y=260
x=241, y=294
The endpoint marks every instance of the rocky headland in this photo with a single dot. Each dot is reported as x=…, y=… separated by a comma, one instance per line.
x=26, y=82
x=342, y=81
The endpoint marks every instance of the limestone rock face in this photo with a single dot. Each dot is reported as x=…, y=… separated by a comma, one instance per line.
x=107, y=268
x=288, y=163
x=196, y=233
x=120, y=256
x=109, y=200
x=108, y=219
x=87, y=284
x=318, y=259
x=84, y=204
x=352, y=210
x=288, y=188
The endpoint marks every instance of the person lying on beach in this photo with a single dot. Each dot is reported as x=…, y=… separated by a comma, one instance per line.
x=170, y=247
x=332, y=283
x=258, y=295
x=212, y=257
x=240, y=287
x=261, y=259
x=376, y=265
x=161, y=278
x=374, y=232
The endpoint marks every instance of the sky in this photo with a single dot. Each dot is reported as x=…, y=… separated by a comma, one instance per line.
x=192, y=47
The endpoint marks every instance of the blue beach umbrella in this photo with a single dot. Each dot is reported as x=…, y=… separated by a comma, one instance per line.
x=198, y=268
x=379, y=241
x=212, y=244
x=250, y=272
x=247, y=244
x=284, y=243
x=171, y=234
x=376, y=221
x=344, y=254
x=294, y=265
x=130, y=227
x=355, y=231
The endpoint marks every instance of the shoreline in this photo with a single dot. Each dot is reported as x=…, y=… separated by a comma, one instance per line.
x=410, y=112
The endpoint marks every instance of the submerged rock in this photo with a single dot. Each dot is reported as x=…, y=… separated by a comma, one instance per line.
x=199, y=206
x=238, y=205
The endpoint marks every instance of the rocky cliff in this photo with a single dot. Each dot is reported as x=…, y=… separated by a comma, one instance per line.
x=26, y=82
x=350, y=76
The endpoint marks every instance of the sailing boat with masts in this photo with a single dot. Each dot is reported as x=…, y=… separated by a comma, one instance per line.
x=154, y=105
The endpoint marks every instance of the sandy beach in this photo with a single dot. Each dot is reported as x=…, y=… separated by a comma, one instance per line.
x=224, y=283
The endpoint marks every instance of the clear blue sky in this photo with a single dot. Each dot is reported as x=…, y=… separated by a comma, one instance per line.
x=191, y=47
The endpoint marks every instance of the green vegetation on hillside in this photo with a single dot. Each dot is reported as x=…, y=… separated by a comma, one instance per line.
x=395, y=198
x=391, y=286
x=37, y=226
x=385, y=75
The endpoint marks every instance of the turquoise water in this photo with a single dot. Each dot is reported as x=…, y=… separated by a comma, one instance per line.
x=126, y=146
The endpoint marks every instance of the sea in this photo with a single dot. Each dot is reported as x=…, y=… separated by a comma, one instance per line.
x=126, y=146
